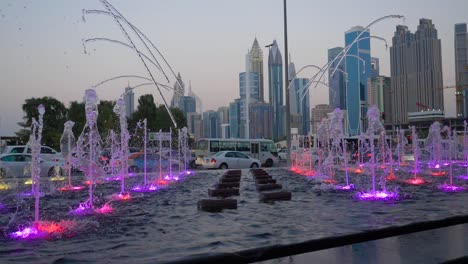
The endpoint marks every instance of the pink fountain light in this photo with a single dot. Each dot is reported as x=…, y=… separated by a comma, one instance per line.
x=120, y=197
x=451, y=188
x=416, y=181
x=391, y=176
x=85, y=209
x=71, y=188
x=143, y=189
x=348, y=187
x=46, y=230
x=329, y=181
x=463, y=177
x=438, y=173
x=379, y=195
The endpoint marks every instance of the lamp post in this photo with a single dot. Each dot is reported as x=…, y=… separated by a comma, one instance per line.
x=286, y=81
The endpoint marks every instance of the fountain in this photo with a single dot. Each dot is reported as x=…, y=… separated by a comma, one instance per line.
x=450, y=187
x=376, y=127
x=400, y=148
x=339, y=144
x=416, y=153
x=146, y=187
x=120, y=111
x=39, y=229
x=433, y=145
x=88, y=150
x=67, y=144
x=465, y=151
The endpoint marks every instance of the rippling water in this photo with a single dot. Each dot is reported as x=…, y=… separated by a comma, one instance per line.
x=166, y=225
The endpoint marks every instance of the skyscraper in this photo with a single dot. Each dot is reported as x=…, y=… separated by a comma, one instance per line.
x=275, y=82
x=416, y=71
x=375, y=68
x=299, y=100
x=129, y=99
x=188, y=104
x=337, y=82
x=223, y=114
x=210, y=124
x=254, y=94
x=358, y=74
x=256, y=59
x=261, y=120
x=234, y=118
x=461, y=69
x=402, y=73
x=179, y=91
x=429, y=83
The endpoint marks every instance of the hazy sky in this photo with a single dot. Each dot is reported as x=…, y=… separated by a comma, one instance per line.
x=41, y=51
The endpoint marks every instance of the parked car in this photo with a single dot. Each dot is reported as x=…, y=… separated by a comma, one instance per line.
x=136, y=162
x=230, y=160
x=18, y=165
x=282, y=154
x=47, y=153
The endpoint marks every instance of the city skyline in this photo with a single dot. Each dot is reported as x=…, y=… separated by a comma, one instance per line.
x=43, y=54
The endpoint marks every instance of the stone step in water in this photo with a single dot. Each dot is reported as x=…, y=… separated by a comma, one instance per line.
x=267, y=187
x=265, y=181
x=233, y=172
x=257, y=170
x=215, y=205
x=263, y=177
x=228, y=185
x=275, y=196
x=227, y=180
x=260, y=173
x=231, y=176
x=223, y=192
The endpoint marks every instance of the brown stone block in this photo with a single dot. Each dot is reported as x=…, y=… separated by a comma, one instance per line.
x=228, y=185
x=275, y=196
x=270, y=186
x=211, y=205
x=224, y=192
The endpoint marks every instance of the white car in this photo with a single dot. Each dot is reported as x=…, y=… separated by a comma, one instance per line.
x=17, y=165
x=46, y=153
x=230, y=160
x=282, y=154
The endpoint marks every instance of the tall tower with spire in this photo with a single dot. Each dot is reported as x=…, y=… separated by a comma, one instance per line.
x=275, y=81
x=179, y=91
x=256, y=60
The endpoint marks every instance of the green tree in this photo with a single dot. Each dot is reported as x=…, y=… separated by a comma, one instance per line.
x=146, y=109
x=107, y=120
x=76, y=113
x=54, y=118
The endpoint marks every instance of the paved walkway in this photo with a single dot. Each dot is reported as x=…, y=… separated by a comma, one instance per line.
x=432, y=246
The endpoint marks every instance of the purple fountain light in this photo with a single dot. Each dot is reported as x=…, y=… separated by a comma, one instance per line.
x=451, y=188
x=345, y=187
x=378, y=195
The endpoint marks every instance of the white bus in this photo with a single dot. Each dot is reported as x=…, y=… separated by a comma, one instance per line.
x=261, y=149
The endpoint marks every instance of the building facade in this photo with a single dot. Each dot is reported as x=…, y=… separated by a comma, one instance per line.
x=261, y=120
x=234, y=119
x=275, y=82
x=179, y=91
x=416, y=71
x=337, y=82
x=256, y=60
x=253, y=87
x=129, y=99
x=188, y=104
x=461, y=69
x=318, y=113
x=358, y=72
